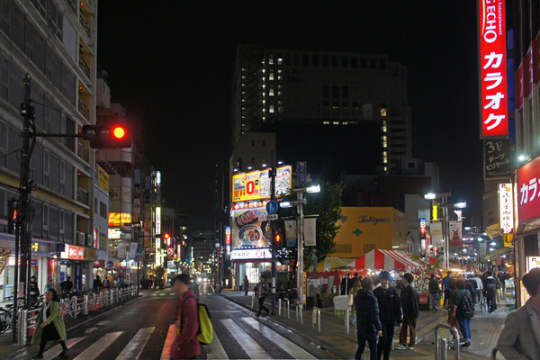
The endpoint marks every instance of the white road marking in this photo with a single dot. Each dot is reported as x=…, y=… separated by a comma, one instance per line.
x=171, y=334
x=216, y=350
x=136, y=345
x=88, y=331
x=248, y=344
x=296, y=351
x=57, y=349
x=93, y=351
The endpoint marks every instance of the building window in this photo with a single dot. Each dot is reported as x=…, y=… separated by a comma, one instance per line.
x=103, y=210
x=345, y=62
x=325, y=91
x=354, y=62
x=335, y=61
x=271, y=76
x=382, y=64
x=373, y=63
x=325, y=61
x=271, y=109
x=271, y=60
x=62, y=176
x=305, y=60
x=280, y=61
x=271, y=92
x=45, y=216
x=345, y=92
x=335, y=122
x=363, y=61
x=326, y=122
x=315, y=60
x=95, y=205
x=384, y=112
x=335, y=92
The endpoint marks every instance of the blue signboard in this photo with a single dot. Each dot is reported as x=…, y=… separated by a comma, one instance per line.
x=272, y=207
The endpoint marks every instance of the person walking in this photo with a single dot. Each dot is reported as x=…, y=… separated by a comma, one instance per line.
x=434, y=292
x=464, y=311
x=186, y=345
x=50, y=324
x=491, y=291
x=34, y=291
x=97, y=284
x=446, y=288
x=368, y=323
x=409, y=304
x=390, y=314
x=262, y=292
x=520, y=338
x=246, y=285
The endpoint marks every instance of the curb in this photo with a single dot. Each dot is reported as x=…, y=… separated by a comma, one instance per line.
x=316, y=343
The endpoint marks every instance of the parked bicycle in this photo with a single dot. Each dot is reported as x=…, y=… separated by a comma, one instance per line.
x=6, y=318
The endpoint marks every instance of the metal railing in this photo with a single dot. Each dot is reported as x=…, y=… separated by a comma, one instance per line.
x=84, y=66
x=441, y=350
x=85, y=24
x=72, y=307
x=84, y=110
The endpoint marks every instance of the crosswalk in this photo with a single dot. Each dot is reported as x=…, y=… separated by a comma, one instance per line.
x=241, y=337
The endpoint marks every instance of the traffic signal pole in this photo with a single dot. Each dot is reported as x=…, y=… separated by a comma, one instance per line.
x=273, y=232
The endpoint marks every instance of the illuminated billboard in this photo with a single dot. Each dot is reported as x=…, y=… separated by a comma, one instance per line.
x=250, y=234
x=506, y=208
x=255, y=185
x=119, y=218
x=493, y=77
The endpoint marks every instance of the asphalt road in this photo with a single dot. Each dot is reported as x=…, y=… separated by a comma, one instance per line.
x=143, y=330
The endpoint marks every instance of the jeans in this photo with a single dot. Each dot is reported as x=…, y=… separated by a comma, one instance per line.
x=434, y=299
x=385, y=342
x=372, y=343
x=465, y=326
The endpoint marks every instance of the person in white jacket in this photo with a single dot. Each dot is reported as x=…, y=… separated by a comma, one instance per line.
x=520, y=338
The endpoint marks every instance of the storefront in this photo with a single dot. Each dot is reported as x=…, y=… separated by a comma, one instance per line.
x=527, y=242
x=75, y=262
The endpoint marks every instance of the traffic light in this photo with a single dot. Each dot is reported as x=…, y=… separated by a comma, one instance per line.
x=279, y=234
x=166, y=239
x=13, y=212
x=107, y=135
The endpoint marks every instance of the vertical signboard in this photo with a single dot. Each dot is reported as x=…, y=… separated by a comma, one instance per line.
x=497, y=158
x=528, y=191
x=228, y=240
x=506, y=208
x=493, y=77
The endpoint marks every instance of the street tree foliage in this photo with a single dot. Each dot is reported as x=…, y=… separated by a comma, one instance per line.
x=327, y=205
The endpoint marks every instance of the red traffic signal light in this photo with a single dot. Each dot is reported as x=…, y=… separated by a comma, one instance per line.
x=108, y=135
x=278, y=238
x=166, y=238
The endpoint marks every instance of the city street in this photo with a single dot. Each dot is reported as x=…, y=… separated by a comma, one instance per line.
x=144, y=330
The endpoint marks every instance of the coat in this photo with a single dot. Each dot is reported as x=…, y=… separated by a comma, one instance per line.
x=55, y=318
x=409, y=303
x=367, y=313
x=186, y=345
x=389, y=305
x=520, y=338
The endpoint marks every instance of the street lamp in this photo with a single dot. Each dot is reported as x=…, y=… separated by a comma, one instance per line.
x=313, y=189
x=523, y=157
x=285, y=204
x=430, y=196
x=460, y=205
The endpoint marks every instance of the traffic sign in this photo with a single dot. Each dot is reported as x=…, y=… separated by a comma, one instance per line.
x=272, y=207
x=272, y=217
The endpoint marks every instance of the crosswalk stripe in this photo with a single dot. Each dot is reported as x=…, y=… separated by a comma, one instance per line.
x=166, y=352
x=296, y=351
x=216, y=350
x=252, y=349
x=94, y=350
x=54, y=351
x=136, y=345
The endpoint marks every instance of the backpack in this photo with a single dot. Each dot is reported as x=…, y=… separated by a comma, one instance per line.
x=205, y=335
x=465, y=308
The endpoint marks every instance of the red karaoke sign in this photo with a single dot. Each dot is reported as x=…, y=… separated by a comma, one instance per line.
x=493, y=77
x=528, y=191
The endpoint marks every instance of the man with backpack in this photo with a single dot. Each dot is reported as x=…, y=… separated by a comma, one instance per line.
x=186, y=345
x=465, y=311
x=262, y=292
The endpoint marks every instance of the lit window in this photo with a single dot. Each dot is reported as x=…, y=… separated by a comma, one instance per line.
x=262, y=61
x=279, y=93
x=263, y=94
x=280, y=61
x=243, y=84
x=326, y=122
x=263, y=71
x=383, y=112
x=271, y=61
x=279, y=77
x=271, y=110
x=279, y=71
x=385, y=144
x=263, y=110
x=243, y=69
x=335, y=122
x=384, y=129
x=271, y=92
x=264, y=101
x=384, y=138
x=263, y=86
x=271, y=76
x=386, y=169
x=345, y=123
x=243, y=76
x=243, y=100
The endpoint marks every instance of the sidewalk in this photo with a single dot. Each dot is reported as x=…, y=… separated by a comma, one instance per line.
x=333, y=337
x=6, y=347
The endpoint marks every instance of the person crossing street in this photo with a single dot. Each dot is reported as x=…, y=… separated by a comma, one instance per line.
x=368, y=323
x=390, y=314
x=50, y=324
x=186, y=345
x=262, y=292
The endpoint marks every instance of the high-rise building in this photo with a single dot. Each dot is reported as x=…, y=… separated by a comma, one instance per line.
x=277, y=88
x=55, y=43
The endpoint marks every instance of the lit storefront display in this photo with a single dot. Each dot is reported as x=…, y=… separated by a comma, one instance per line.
x=119, y=219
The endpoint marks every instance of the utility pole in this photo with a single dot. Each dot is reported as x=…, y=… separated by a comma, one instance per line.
x=273, y=232
x=300, y=245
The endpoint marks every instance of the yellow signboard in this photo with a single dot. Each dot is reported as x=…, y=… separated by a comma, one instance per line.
x=119, y=218
x=103, y=178
x=255, y=185
x=509, y=240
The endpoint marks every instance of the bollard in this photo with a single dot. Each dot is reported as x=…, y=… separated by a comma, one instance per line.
x=314, y=317
x=279, y=306
x=297, y=317
x=347, y=316
x=288, y=308
x=252, y=302
x=319, y=318
x=74, y=307
x=112, y=296
x=22, y=327
x=442, y=349
x=85, y=308
x=301, y=313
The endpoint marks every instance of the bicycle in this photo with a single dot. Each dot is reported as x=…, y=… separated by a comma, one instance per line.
x=6, y=318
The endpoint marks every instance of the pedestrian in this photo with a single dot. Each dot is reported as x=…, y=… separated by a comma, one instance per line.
x=464, y=311
x=434, y=292
x=186, y=345
x=351, y=283
x=409, y=304
x=246, y=285
x=262, y=292
x=389, y=314
x=491, y=291
x=344, y=286
x=195, y=287
x=50, y=324
x=446, y=288
x=368, y=323
x=520, y=338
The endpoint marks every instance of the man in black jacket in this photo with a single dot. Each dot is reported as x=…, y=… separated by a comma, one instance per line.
x=434, y=292
x=390, y=313
x=409, y=304
x=368, y=324
x=490, y=289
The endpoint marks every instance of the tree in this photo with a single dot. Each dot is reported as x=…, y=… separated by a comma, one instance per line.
x=327, y=205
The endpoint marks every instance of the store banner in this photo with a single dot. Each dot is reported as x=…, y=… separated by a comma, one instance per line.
x=497, y=155
x=121, y=254
x=456, y=233
x=290, y=233
x=310, y=232
x=436, y=234
x=536, y=59
x=528, y=192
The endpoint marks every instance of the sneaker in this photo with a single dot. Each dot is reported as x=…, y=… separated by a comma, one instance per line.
x=400, y=347
x=410, y=347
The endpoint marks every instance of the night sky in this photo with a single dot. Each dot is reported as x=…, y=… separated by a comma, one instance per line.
x=171, y=66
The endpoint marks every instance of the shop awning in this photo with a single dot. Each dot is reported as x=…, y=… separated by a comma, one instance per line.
x=379, y=259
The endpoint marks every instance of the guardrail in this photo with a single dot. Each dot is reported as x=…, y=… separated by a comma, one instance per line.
x=441, y=350
x=72, y=307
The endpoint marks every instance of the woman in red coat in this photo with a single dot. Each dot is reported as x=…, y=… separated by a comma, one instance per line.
x=185, y=345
